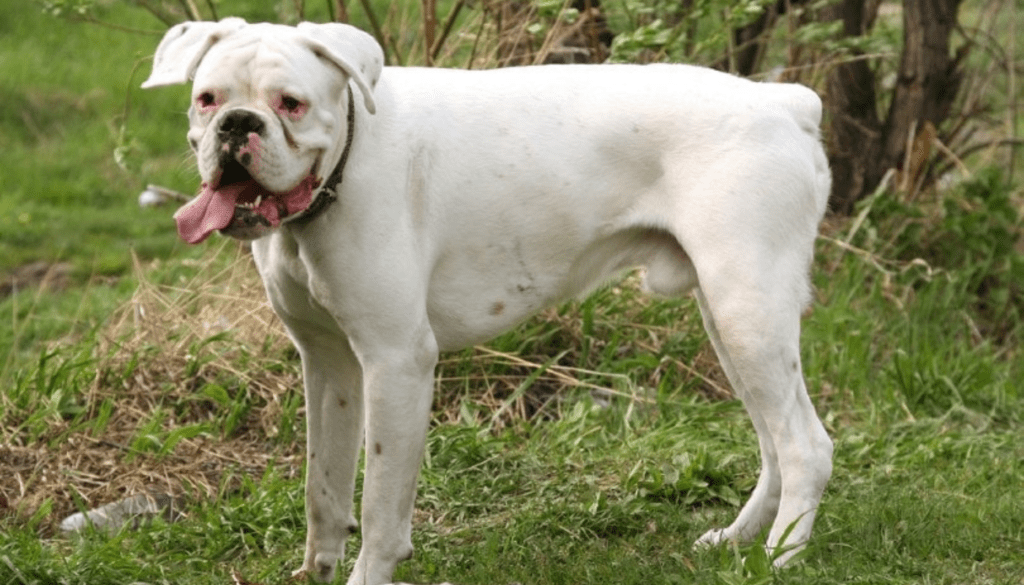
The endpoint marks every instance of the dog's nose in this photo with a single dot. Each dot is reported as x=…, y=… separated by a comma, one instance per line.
x=238, y=124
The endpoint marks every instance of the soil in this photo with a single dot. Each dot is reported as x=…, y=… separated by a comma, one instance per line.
x=49, y=276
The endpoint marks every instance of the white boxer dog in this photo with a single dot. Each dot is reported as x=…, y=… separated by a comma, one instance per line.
x=398, y=212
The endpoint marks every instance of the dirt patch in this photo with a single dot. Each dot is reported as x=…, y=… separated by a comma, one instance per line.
x=48, y=276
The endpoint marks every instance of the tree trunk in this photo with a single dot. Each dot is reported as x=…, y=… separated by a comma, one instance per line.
x=855, y=130
x=929, y=76
x=862, y=147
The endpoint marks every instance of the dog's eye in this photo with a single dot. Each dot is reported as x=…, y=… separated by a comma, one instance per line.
x=206, y=100
x=291, y=106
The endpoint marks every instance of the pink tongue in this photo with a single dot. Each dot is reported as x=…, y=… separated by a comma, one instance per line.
x=210, y=210
x=213, y=209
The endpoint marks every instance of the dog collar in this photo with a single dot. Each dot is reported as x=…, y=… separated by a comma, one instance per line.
x=328, y=192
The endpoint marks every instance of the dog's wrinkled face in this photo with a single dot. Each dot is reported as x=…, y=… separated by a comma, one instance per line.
x=266, y=119
x=268, y=115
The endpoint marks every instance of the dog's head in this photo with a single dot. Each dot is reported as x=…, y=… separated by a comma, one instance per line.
x=268, y=117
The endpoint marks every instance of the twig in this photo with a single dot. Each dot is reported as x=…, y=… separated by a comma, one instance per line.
x=190, y=10
x=159, y=13
x=953, y=158
x=908, y=152
x=1011, y=113
x=396, y=8
x=476, y=41
x=429, y=29
x=375, y=25
x=338, y=10
x=993, y=144
x=730, y=46
x=556, y=27
x=448, y=24
x=882, y=185
x=122, y=28
x=719, y=390
x=170, y=193
x=877, y=261
x=520, y=32
x=563, y=373
x=828, y=63
x=195, y=10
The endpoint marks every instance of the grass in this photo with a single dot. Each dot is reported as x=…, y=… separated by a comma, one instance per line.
x=558, y=481
x=59, y=130
x=65, y=198
x=593, y=444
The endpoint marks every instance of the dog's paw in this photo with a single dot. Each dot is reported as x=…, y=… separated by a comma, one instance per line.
x=324, y=567
x=711, y=538
x=322, y=570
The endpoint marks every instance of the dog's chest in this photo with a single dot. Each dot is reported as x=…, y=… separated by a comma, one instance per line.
x=292, y=287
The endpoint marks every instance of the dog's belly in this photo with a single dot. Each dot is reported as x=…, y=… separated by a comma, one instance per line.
x=477, y=295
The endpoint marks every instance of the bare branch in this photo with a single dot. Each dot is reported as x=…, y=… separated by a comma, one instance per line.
x=429, y=29
x=448, y=24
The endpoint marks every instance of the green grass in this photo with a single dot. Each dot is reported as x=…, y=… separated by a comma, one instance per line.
x=65, y=198
x=64, y=93
x=523, y=507
x=598, y=489
x=590, y=445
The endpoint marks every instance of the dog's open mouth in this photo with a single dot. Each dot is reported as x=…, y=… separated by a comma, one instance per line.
x=235, y=197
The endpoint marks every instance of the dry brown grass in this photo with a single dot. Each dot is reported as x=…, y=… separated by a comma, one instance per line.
x=155, y=356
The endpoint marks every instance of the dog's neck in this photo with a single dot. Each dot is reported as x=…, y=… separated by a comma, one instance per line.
x=328, y=193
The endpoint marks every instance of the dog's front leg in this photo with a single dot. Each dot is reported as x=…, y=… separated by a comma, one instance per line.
x=398, y=390
x=334, y=407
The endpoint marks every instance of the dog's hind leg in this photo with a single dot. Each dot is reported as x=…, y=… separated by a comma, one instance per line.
x=752, y=313
x=334, y=428
x=761, y=508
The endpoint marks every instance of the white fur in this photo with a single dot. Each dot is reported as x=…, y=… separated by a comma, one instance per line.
x=471, y=200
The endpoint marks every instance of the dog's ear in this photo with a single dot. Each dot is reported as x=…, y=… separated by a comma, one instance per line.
x=183, y=47
x=355, y=52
